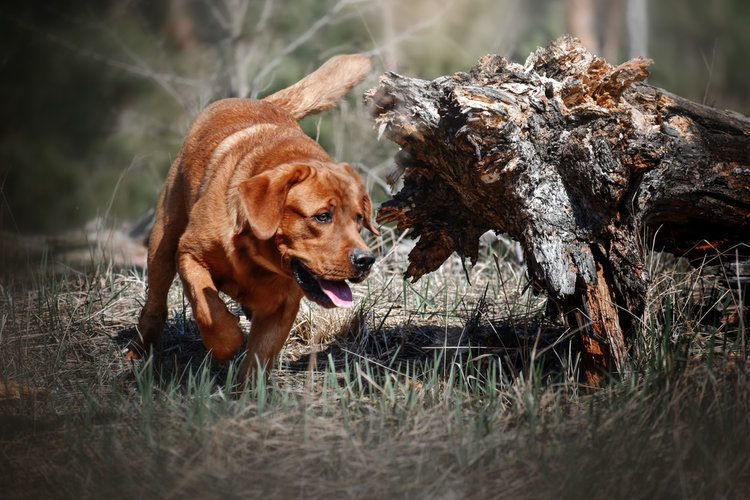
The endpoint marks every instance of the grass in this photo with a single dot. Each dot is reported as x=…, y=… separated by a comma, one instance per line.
x=434, y=389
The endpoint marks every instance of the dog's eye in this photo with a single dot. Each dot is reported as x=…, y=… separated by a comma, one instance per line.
x=359, y=219
x=324, y=217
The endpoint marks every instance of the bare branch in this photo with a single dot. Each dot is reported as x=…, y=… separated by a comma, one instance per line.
x=408, y=33
x=328, y=19
x=217, y=14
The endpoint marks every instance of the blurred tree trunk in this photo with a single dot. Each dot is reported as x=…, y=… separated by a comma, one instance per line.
x=581, y=18
x=240, y=47
x=613, y=30
x=638, y=28
x=179, y=26
x=599, y=25
x=576, y=160
x=390, y=52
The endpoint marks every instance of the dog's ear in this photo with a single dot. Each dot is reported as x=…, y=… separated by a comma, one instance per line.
x=366, y=202
x=264, y=195
x=367, y=210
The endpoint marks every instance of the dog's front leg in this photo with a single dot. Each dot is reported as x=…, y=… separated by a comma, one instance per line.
x=268, y=332
x=219, y=328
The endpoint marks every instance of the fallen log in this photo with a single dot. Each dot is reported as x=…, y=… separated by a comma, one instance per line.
x=581, y=162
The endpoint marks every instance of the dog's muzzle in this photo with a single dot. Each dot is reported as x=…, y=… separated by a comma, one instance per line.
x=327, y=293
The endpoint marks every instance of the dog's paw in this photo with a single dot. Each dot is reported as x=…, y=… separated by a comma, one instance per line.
x=132, y=355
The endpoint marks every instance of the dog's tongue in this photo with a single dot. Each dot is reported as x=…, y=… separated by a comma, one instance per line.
x=338, y=291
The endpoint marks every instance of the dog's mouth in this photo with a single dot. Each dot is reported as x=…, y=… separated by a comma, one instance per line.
x=327, y=293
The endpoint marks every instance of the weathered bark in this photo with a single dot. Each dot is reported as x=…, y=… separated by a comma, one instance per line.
x=578, y=161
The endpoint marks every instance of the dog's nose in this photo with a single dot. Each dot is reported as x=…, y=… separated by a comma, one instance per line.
x=362, y=259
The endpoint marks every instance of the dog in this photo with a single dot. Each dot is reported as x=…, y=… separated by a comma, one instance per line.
x=256, y=209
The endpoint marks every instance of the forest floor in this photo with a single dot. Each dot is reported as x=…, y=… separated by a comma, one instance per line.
x=457, y=386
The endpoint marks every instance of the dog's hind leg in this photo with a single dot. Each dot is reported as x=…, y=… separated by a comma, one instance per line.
x=170, y=222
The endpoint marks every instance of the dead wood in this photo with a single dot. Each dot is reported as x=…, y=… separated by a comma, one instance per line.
x=581, y=162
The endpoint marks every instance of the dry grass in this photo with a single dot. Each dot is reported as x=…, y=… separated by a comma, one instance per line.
x=438, y=388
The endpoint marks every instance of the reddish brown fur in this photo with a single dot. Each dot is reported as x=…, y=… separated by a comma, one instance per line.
x=239, y=204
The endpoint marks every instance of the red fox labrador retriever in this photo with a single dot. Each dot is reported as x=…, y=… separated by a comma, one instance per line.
x=256, y=209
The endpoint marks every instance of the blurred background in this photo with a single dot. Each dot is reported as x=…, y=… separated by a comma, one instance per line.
x=97, y=95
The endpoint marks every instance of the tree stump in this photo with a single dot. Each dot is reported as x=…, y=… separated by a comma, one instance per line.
x=581, y=162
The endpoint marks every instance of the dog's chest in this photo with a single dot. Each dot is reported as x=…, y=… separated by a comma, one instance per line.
x=264, y=293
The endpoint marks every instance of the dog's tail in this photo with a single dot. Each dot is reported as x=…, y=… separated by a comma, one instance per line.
x=323, y=88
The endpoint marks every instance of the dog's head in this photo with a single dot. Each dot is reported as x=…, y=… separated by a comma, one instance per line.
x=313, y=214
